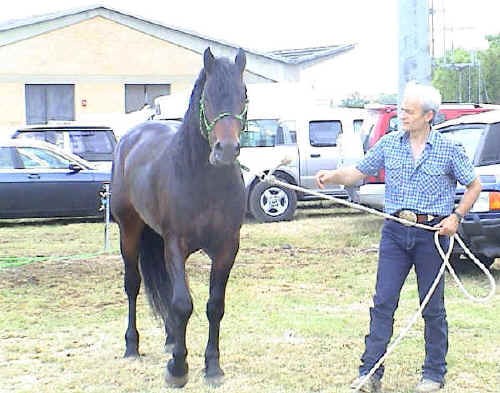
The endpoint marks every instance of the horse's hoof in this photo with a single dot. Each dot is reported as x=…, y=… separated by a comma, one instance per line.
x=175, y=382
x=215, y=378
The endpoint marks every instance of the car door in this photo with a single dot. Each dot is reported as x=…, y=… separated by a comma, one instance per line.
x=48, y=188
x=320, y=151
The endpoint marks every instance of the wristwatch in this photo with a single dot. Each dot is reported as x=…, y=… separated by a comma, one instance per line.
x=460, y=217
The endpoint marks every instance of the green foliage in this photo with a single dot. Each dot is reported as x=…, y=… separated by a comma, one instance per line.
x=355, y=100
x=387, y=99
x=464, y=76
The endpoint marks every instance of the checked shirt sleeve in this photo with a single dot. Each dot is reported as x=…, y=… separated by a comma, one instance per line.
x=461, y=166
x=373, y=160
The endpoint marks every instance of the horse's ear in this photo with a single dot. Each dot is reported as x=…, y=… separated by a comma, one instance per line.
x=208, y=59
x=241, y=59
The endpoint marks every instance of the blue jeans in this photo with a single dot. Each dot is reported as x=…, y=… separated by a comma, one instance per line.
x=402, y=247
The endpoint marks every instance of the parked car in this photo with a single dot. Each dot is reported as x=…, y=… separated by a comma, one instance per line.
x=93, y=143
x=309, y=140
x=480, y=136
x=38, y=180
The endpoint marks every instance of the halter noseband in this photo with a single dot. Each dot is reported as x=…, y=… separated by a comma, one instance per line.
x=207, y=126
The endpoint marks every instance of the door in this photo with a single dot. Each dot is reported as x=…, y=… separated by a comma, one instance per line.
x=49, y=102
x=320, y=151
x=45, y=187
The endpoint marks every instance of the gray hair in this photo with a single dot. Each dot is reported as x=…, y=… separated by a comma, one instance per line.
x=429, y=96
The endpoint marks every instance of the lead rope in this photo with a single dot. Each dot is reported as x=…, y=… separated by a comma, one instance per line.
x=270, y=178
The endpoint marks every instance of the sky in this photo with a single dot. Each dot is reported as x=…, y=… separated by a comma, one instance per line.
x=264, y=25
x=274, y=24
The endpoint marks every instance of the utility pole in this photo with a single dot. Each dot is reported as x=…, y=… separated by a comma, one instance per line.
x=414, y=56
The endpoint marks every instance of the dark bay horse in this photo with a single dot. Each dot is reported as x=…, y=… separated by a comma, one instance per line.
x=178, y=191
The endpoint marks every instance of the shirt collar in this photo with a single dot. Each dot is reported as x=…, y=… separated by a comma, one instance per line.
x=431, y=139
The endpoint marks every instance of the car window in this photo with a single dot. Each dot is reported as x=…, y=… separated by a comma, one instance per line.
x=468, y=137
x=357, y=125
x=36, y=158
x=393, y=124
x=260, y=133
x=93, y=142
x=490, y=153
x=6, y=158
x=324, y=132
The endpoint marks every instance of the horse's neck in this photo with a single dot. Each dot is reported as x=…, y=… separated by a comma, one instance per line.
x=192, y=148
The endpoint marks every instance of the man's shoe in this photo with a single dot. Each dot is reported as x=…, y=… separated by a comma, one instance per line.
x=373, y=385
x=428, y=386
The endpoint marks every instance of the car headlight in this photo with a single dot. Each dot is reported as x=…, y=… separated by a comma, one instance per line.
x=487, y=201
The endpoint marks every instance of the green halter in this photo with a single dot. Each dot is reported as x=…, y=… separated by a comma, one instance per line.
x=206, y=126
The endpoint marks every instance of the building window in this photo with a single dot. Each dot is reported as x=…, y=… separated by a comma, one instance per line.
x=138, y=95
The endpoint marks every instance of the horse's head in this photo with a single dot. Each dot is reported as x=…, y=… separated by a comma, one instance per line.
x=223, y=106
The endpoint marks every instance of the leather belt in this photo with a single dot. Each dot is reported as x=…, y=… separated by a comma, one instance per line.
x=414, y=217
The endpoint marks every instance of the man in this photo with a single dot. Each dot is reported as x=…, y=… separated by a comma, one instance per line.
x=422, y=168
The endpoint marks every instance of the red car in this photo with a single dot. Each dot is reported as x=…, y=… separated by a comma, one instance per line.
x=382, y=119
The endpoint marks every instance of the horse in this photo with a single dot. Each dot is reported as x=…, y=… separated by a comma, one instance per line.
x=178, y=190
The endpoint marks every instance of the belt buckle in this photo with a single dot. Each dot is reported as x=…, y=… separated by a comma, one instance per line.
x=408, y=215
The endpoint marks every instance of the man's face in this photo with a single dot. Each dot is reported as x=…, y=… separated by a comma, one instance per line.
x=413, y=118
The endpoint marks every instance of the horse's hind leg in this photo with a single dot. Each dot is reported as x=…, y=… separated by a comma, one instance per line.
x=129, y=244
x=222, y=262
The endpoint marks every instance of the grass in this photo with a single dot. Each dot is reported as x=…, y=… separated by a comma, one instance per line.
x=296, y=313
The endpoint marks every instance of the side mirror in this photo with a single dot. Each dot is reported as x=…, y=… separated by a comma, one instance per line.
x=74, y=167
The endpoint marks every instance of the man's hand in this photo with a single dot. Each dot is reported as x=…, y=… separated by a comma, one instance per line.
x=323, y=177
x=448, y=225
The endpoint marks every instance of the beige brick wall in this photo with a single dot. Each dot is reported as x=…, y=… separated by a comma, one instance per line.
x=11, y=104
x=99, y=98
x=98, y=56
x=98, y=47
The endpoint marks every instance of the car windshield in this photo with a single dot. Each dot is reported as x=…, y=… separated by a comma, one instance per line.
x=259, y=133
x=468, y=137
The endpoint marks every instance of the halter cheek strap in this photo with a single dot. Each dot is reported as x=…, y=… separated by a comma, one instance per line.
x=206, y=126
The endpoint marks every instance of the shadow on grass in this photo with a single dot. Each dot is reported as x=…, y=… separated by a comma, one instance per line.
x=48, y=221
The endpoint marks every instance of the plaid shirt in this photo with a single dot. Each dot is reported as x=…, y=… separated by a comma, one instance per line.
x=426, y=186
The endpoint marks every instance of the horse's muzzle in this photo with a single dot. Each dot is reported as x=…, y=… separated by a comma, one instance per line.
x=224, y=153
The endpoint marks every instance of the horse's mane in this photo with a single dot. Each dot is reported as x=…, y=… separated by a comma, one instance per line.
x=190, y=133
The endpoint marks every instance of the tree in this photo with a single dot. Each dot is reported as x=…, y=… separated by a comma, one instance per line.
x=354, y=101
x=490, y=68
x=463, y=76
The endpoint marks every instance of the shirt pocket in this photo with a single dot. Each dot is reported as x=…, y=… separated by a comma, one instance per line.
x=432, y=178
x=394, y=179
x=393, y=171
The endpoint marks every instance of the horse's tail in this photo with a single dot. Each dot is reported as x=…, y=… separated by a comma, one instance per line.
x=154, y=271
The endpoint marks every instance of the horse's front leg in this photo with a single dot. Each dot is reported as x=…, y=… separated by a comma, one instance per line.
x=222, y=262
x=181, y=308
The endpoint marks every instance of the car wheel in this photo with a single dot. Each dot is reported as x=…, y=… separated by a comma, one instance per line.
x=272, y=203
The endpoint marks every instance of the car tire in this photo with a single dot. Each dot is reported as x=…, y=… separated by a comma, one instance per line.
x=272, y=203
